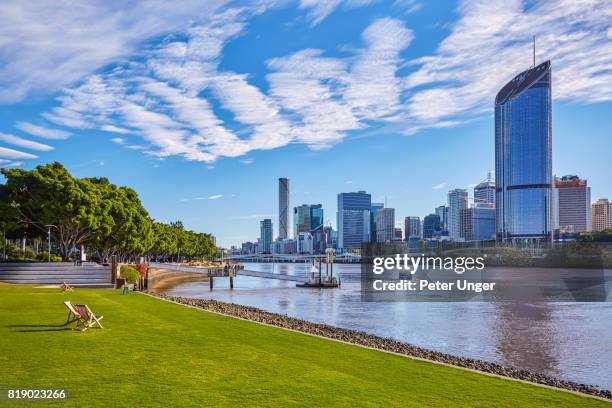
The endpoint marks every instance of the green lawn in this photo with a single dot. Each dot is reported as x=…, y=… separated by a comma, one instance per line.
x=154, y=353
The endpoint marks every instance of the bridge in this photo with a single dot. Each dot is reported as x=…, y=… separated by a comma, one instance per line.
x=272, y=258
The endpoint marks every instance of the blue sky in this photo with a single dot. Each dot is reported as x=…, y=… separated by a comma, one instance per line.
x=200, y=108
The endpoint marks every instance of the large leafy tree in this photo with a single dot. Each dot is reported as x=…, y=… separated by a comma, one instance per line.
x=93, y=212
x=50, y=196
x=129, y=231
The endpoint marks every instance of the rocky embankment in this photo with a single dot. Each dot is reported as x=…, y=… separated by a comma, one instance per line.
x=381, y=343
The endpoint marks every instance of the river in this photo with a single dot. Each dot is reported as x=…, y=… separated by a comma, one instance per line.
x=572, y=341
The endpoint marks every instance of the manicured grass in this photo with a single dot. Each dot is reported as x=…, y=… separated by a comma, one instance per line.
x=154, y=353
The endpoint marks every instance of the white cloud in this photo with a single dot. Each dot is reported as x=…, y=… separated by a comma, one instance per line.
x=115, y=129
x=28, y=144
x=319, y=10
x=52, y=44
x=118, y=140
x=215, y=197
x=15, y=154
x=247, y=160
x=41, y=131
x=492, y=42
x=439, y=186
x=171, y=94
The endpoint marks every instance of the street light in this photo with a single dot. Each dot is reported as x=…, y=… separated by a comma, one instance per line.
x=49, y=226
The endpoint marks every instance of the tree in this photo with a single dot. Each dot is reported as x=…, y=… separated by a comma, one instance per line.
x=93, y=212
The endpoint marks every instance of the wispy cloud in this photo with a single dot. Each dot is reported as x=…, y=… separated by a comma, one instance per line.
x=170, y=95
x=247, y=160
x=118, y=140
x=115, y=129
x=212, y=197
x=439, y=186
x=15, y=154
x=491, y=42
x=28, y=144
x=42, y=131
x=59, y=43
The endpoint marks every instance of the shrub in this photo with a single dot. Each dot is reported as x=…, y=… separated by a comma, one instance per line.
x=44, y=257
x=130, y=274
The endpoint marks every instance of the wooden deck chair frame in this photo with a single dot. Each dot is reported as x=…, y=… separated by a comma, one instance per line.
x=89, y=318
x=73, y=315
x=83, y=315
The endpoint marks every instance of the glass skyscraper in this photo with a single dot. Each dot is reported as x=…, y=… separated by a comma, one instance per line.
x=523, y=156
x=353, y=219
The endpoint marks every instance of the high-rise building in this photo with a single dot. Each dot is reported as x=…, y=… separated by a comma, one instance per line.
x=353, y=219
x=283, y=208
x=316, y=216
x=465, y=224
x=412, y=227
x=442, y=212
x=457, y=200
x=397, y=236
x=301, y=219
x=431, y=225
x=385, y=225
x=373, y=208
x=484, y=192
x=265, y=236
x=307, y=218
x=601, y=214
x=478, y=222
x=523, y=156
x=304, y=243
x=572, y=204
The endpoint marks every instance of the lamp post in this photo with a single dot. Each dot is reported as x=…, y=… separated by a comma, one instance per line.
x=3, y=242
x=49, y=240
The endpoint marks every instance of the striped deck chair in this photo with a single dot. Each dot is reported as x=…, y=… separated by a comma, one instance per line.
x=83, y=315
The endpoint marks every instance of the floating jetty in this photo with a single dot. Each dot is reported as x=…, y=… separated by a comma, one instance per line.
x=315, y=278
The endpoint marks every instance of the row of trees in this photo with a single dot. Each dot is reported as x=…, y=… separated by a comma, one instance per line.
x=109, y=220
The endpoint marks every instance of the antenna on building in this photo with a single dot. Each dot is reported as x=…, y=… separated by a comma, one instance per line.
x=534, y=51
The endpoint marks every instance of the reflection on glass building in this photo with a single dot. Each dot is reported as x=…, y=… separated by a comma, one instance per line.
x=523, y=156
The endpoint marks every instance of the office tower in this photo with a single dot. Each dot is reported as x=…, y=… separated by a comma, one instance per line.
x=431, y=225
x=523, y=156
x=304, y=243
x=412, y=227
x=485, y=191
x=601, y=214
x=316, y=216
x=442, y=212
x=478, y=222
x=283, y=208
x=572, y=204
x=385, y=225
x=248, y=248
x=265, y=235
x=301, y=219
x=397, y=236
x=465, y=224
x=353, y=219
x=457, y=200
x=373, y=208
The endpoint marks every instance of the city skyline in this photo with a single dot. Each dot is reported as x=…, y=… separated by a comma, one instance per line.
x=198, y=117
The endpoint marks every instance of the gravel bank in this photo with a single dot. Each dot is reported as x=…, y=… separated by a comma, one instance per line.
x=381, y=343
